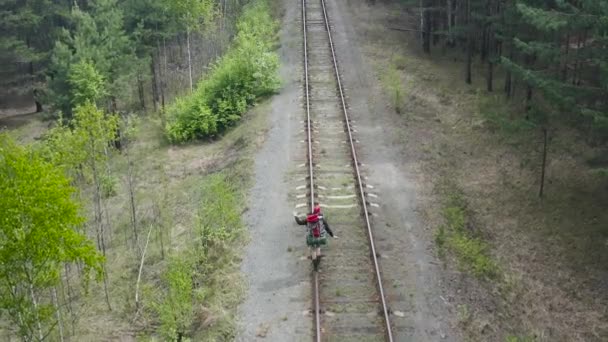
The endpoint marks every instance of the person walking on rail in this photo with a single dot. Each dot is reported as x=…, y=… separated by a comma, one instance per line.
x=317, y=228
x=315, y=211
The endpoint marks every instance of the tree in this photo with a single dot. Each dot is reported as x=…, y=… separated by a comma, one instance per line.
x=98, y=38
x=96, y=130
x=86, y=83
x=27, y=32
x=38, y=235
x=149, y=22
x=192, y=13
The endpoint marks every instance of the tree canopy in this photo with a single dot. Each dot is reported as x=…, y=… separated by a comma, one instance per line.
x=39, y=232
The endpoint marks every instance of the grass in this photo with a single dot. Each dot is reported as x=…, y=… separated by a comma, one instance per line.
x=464, y=314
x=471, y=251
x=392, y=83
x=517, y=338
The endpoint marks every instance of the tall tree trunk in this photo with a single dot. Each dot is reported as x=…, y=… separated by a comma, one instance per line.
x=189, y=59
x=131, y=186
x=508, y=81
x=58, y=314
x=160, y=76
x=141, y=267
x=426, y=42
x=68, y=301
x=449, y=7
x=544, y=162
x=37, y=317
x=580, y=67
x=154, y=81
x=530, y=60
x=566, y=58
x=490, y=78
x=491, y=55
x=99, y=224
x=140, y=90
x=484, y=44
x=39, y=107
x=469, y=44
x=421, y=7
x=577, y=59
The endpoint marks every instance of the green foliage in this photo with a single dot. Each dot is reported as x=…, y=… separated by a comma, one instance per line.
x=189, y=118
x=189, y=277
x=219, y=216
x=191, y=12
x=391, y=80
x=392, y=83
x=107, y=185
x=560, y=57
x=473, y=253
x=86, y=83
x=97, y=46
x=27, y=32
x=247, y=72
x=175, y=307
x=82, y=150
x=38, y=234
x=470, y=250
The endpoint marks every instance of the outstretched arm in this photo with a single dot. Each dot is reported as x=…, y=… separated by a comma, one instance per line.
x=299, y=220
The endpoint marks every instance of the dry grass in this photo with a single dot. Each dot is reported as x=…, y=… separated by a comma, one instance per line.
x=552, y=251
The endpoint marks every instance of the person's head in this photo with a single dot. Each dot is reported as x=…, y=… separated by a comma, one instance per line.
x=316, y=209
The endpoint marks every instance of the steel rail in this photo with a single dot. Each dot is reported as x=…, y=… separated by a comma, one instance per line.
x=389, y=333
x=310, y=169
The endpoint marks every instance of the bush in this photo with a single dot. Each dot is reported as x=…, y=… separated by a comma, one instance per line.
x=247, y=72
x=190, y=119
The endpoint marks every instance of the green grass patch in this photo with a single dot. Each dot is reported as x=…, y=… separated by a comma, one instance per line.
x=471, y=251
x=246, y=73
x=391, y=81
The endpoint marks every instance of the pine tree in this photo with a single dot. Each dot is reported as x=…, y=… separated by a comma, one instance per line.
x=27, y=32
x=98, y=38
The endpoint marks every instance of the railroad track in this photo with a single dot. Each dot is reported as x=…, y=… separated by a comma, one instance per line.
x=349, y=301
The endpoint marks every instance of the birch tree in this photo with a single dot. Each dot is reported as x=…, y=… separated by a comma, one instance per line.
x=38, y=235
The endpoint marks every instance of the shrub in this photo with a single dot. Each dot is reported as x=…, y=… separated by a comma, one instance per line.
x=247, y=72
x=190, y=119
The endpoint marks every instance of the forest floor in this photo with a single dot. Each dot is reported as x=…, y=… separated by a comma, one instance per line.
x=517, y=268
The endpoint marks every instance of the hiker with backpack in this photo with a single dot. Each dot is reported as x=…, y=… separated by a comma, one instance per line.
x=315, y=211
x=317, y=226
